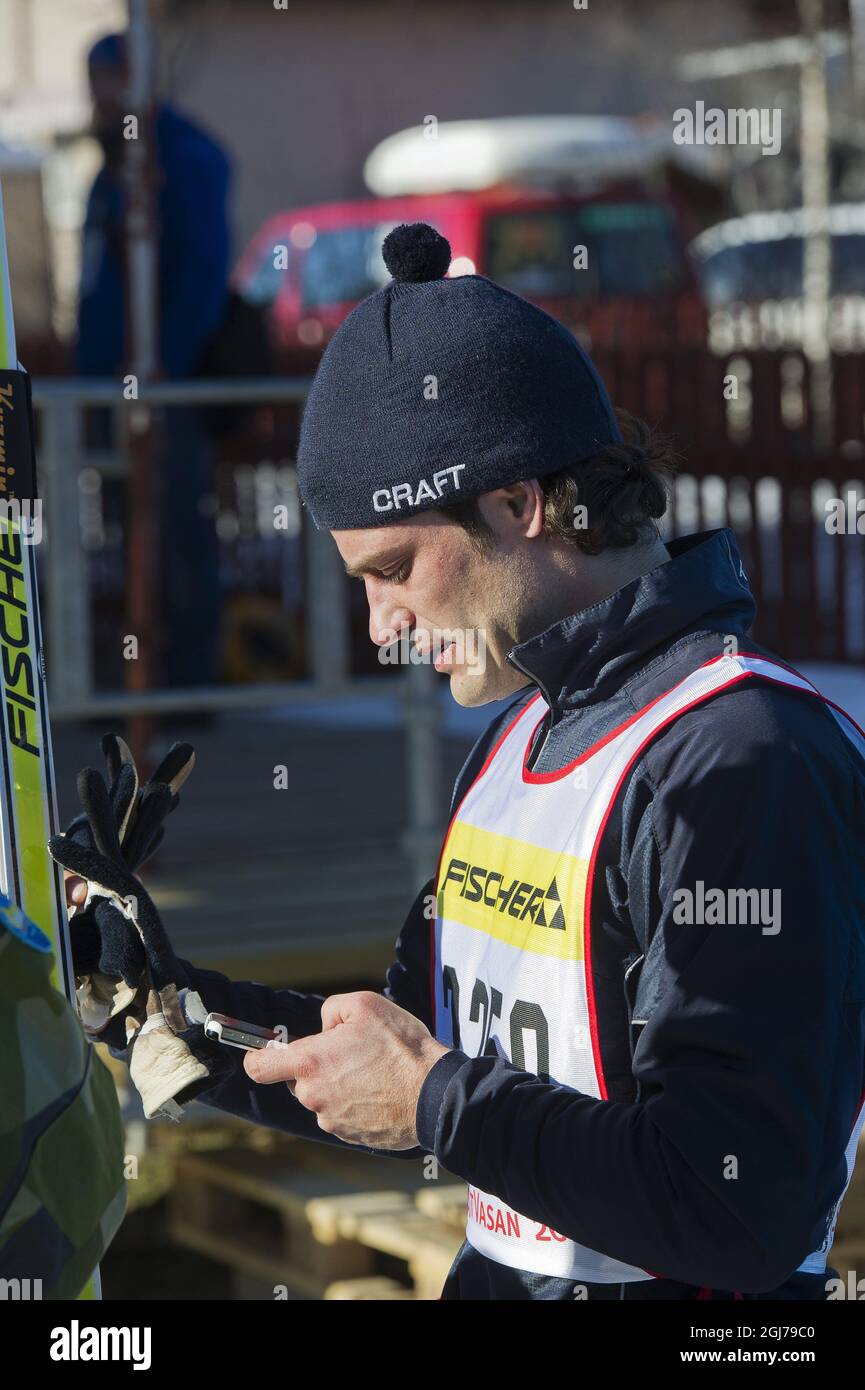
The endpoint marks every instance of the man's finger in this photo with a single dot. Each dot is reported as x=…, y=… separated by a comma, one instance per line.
x=334, y=1010
x=276, y=1061
x=341, y=1008
x=76, y=889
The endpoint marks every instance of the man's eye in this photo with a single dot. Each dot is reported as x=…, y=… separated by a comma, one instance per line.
x=398, y=576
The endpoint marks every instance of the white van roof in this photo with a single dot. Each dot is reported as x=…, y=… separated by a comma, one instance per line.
x=845, y=219
x=453, y=156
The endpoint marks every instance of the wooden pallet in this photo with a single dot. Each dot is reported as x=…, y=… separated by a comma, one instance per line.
x=848, y=1250
x=377, y=1289
x=428, y=1247
x=330, y=1223
x=446, y=1202
x=318, y=1221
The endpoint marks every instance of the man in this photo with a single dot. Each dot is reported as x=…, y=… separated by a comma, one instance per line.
x=629, y=1007
x=191, y=190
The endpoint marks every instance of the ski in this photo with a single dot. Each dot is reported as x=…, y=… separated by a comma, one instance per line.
x=28, y=808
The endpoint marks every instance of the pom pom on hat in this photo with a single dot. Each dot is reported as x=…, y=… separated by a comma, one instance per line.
x=416, y=252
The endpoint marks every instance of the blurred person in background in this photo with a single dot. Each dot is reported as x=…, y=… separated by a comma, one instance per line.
x=192, y=178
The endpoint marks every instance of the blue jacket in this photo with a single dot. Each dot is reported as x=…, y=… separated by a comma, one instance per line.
x=750, y=1051
x=194, y=251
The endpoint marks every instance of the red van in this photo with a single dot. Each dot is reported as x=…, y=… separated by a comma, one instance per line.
x=312, y=265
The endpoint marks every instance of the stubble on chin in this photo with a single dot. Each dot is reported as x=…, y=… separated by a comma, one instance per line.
x=468, y=690
x=472, y=688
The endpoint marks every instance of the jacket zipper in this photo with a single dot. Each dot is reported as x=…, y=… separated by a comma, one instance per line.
x=549, y=715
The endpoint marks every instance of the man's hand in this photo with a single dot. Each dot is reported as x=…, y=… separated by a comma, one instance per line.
x=362, y=1074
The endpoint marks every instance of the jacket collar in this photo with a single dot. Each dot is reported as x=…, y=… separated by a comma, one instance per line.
x=586, y=657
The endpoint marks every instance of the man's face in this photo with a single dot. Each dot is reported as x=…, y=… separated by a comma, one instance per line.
x=427, y=576
x=109, y=85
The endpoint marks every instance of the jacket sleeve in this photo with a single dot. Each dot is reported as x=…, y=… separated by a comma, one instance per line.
x=408, y=985
x=749, y=1068
x=300, y=1015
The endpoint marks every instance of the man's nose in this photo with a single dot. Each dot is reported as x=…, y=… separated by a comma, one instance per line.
x=387, y=620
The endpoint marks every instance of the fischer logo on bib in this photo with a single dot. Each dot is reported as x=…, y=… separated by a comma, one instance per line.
x=513, y=931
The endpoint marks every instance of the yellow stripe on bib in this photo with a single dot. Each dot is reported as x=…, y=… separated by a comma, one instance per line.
x=516, y=892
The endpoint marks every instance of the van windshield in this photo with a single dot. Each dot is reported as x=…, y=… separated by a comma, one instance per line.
x=631, y=249
x=344, y=265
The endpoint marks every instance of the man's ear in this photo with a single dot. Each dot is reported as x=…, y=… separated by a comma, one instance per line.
x=526, y=499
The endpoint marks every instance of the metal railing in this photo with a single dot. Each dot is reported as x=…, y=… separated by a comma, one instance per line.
x=62, y=457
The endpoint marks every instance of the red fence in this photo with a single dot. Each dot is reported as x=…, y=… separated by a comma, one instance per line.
x=743, y=426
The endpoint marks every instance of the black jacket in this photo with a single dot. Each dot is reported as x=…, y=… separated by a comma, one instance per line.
x=717, y=1042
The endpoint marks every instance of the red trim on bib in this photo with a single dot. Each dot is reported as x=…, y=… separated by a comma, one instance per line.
x=559, y=773
x=540, y=777
x=492, y=753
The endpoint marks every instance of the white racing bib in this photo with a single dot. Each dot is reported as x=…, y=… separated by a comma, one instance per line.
x=513, y=931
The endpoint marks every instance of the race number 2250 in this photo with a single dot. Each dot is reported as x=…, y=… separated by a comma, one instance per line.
x=486, y=1006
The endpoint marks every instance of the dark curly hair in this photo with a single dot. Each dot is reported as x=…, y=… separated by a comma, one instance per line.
x=607, y=502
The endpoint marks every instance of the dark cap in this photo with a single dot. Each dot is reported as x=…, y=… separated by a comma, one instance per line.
x=435, y=389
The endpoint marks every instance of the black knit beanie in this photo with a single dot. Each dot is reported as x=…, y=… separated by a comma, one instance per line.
x=436, y=389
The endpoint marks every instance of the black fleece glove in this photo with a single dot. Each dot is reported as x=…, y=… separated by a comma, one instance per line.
x=102, y=939
x=170, y=1058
